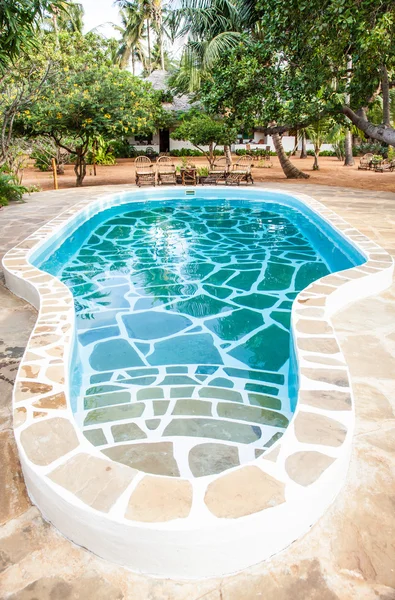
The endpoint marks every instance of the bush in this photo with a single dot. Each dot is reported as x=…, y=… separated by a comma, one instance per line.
x=259, y=152
x=10, y=189
x=42, y=159
x=203, y=172
x=122, y=148
x=186, y=152
x=371, y=147
x=322, y=153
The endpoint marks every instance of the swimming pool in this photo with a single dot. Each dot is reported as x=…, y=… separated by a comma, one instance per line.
x=183, y=407
x=184, y=364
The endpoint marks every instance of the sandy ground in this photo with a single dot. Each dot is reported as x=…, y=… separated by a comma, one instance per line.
x=332, y=172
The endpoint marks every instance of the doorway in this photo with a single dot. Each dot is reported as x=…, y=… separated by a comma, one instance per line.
x=164, y=140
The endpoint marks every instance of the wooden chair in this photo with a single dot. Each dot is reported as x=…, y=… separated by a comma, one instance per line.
x=365, y=162
x=166, y=171
x=241, y=171
x=145, y=175
x=384, y=165
x=219, y=171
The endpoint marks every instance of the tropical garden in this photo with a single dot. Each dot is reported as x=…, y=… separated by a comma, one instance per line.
x=325, y=72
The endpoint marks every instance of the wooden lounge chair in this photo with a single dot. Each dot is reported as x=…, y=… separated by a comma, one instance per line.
x=241, y=172
x=384, y=165
x=219, y=172
x=166, y=171
x=365, y=162
x=145, y=174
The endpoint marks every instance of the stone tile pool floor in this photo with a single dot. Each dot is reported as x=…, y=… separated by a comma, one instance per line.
x=348, y=554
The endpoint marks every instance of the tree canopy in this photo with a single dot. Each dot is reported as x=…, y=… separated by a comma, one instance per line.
x=85, y=97
x=19, y=22
x=202, y=130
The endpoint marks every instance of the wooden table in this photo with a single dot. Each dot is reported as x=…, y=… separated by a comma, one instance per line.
x=188, y=176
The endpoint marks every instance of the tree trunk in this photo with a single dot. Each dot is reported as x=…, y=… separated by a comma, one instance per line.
x=303, y=152
x=316, y=166
x=348, y=157
x=149, y=46
x=228, y=156
x=385, y=90
x=211, y=157
x=125, y=58
x=160, y=38
x=376, y=132
x=133, y=63
x=290, y=171
x=80, y=169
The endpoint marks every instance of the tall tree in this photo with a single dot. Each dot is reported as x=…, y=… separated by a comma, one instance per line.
x=132, y=35
x=214, y=29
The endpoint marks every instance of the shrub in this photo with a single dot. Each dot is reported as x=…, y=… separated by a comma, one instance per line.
x=203, y=172
x=373, y=148
x=259, y=152
x=186, y=152
x=10, y=188
x=42, y=160
x=122, y=148
x=327, y=153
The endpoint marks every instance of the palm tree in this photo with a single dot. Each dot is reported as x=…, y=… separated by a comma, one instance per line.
x=69, y=17
x=157, y=13
x=132, y=34
x=319, y=133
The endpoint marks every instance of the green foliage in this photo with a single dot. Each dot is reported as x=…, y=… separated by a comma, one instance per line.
x=101, y=152
x=186, y=152
x=42, y=161
x=203, y=130
x=122, y=148
x=191, y=152
x=19, y=22
x=87, y=104
x=203, y=171
x=322, y=153
x=372, y=148
x=259, y=152
x=87, y=98
x=10, y=188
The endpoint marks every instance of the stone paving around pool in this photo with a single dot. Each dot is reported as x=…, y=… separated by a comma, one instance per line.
x=368, y=582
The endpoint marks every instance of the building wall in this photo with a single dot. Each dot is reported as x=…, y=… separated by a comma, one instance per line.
x=288, y=143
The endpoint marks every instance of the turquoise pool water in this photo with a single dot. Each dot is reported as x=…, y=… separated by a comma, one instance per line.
x=183, y=309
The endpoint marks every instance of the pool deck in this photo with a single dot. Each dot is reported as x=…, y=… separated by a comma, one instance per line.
x=348, y=554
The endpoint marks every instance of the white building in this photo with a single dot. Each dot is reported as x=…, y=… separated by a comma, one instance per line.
x=161, y=141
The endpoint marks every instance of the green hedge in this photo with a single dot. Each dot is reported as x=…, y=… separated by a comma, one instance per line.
x=322, y=153
x=192, y=152
x=255, y=152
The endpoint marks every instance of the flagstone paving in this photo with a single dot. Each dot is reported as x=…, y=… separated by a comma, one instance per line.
x=348, y=554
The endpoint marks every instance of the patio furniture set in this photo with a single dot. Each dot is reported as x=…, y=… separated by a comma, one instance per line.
x=370, y=162
x=166, y=172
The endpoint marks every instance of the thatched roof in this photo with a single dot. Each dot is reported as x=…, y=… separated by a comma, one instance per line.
x=158, y=80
